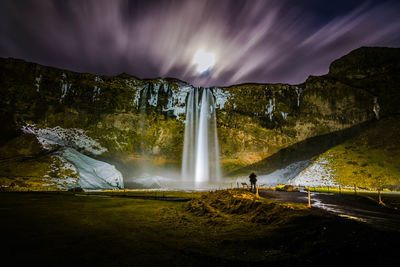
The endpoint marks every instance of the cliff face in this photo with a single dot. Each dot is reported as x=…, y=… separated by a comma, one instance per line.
x=133, y=119
x=123, y=113
x=375, y=70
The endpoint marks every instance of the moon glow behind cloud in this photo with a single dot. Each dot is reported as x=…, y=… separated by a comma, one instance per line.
x=252, y=41
x=204, y=61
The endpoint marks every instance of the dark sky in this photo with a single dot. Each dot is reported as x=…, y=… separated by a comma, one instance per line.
x=253, y=41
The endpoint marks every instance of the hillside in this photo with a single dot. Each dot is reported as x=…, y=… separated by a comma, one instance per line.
x=369, y=160
x=126, y=121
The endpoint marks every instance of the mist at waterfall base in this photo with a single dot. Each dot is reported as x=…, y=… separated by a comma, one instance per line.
x=200, y=168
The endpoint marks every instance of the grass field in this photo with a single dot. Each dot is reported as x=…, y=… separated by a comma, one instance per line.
x=157, y=194
x=224, y=228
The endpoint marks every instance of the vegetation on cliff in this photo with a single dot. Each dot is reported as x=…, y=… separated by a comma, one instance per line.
x=136, y=120
x=369, y=160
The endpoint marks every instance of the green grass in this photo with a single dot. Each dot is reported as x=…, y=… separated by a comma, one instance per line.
x=215, y=229
x=369, y=160
x=147, y=193
x=93, y=227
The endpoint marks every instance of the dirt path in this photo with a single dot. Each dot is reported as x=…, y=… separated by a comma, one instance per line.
x=349, y=206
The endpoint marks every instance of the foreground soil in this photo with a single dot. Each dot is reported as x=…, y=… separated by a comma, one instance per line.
x=223, y=228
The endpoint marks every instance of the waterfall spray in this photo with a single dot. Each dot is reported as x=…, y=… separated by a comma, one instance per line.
x=200, y=162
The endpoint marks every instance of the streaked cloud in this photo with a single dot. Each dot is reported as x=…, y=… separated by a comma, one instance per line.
x=253, y=41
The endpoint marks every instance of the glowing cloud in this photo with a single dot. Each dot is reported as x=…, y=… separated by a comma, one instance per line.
x=250, y=40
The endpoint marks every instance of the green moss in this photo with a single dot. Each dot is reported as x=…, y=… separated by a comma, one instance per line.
x=369, y=160
x=38, y=174
x=107, y=108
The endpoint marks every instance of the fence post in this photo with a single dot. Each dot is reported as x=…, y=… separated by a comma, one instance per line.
x=380, y=197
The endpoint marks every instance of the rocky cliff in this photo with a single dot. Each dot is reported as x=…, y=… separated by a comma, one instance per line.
x=127, y=121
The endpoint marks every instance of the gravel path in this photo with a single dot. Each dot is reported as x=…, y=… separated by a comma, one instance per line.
x=349, y=206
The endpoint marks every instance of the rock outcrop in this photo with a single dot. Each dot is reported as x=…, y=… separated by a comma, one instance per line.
x=130, y=120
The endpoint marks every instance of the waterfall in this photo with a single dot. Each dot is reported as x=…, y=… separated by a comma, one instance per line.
x=200, y=161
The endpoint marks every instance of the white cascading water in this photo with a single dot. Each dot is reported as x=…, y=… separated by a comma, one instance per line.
x=200, y=162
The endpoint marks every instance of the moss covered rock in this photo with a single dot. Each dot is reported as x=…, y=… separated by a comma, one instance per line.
x=134, y=119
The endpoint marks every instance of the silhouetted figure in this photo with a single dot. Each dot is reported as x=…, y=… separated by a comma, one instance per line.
x=253, y=181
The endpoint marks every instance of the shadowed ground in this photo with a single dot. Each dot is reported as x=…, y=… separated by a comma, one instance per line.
x=223, y=228
x=345, y=205
x=303, y=150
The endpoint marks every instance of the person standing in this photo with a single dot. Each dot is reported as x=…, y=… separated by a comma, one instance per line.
x=253, y=181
